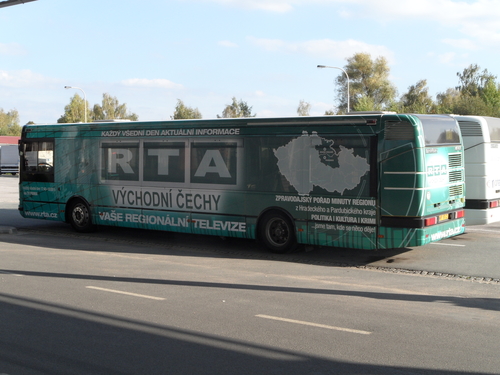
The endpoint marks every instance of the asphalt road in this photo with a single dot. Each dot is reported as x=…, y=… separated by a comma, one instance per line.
x=122, y=301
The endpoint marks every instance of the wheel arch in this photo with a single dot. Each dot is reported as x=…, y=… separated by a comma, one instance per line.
x=267, y=210
x=70, y=202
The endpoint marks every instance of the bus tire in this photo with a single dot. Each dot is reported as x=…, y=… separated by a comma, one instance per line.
x=277, y=233
x=80, y=217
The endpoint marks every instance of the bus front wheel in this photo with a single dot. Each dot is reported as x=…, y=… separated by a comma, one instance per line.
x=276, y=232
x=79, y=217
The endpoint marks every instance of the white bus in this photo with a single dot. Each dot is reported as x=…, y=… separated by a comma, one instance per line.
x=481, y=139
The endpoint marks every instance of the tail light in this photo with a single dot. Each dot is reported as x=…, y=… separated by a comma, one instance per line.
x=430, y=221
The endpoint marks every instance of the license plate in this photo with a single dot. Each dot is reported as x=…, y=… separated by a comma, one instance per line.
x=443, y=217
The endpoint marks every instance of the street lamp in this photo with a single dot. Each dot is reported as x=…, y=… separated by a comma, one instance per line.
x=336, y=67
x=84, y=98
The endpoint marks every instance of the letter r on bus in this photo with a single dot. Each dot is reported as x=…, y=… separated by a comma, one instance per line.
x=121, y=157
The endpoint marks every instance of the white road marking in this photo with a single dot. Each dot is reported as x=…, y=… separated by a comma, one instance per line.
x=126, y=293
x=446, y=244
x=10, y=273
x=314, y=324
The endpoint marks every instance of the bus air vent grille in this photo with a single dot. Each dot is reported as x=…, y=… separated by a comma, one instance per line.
x=470, y=129
x=455, y=176
x=399, y=131
x=454, y=160
x=456, y=190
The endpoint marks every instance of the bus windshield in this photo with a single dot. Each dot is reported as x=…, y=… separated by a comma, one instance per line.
x=494, y=127
x=440, y=130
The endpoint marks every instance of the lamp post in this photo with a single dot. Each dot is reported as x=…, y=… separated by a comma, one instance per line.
x=336, y=67
x=84, y=98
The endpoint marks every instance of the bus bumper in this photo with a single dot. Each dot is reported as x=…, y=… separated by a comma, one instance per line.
x=389, y=238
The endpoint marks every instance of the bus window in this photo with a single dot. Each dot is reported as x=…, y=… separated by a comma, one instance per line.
x=120, y=161
x=214, y=163
x=164, y=161
x=440, y=130
x=37, y=161
x=494, y=127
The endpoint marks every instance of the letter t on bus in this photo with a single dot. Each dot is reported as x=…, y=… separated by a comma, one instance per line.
x=163, y=156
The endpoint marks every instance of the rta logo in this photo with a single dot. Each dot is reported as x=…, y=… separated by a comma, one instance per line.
x=437, y=170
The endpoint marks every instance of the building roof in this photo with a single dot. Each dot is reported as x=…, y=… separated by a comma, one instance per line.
x=9, y=140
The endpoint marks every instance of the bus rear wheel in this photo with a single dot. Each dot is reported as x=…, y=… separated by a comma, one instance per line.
x=276, y=232
x=79, y=217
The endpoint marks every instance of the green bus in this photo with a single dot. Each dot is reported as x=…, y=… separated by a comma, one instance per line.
x=363, y=180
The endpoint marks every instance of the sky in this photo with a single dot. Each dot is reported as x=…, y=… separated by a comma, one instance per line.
x=149, y=54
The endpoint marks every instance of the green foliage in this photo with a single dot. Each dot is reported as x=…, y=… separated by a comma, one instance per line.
x=184, y=112
x=237, y=109
x=304, y=108
x=417, y=99
x=9, y=123
x=472, y=81
x=365, y=103
x=111, y=109
x=477, y=94
x=74, y=111
x=368, y=79
x=491, y=97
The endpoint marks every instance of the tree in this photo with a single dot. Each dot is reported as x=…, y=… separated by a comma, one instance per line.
x=453, y=101
x=491, y=96
x=111, y=109
x=184, y=112
x=446, y=101
x=74, y=111
x=417, y=99
x=477, y=94
x=304, y=108
x=368, y=79
x=9, y=122
x=237, y=109
x=472, y=82
x=365, y=103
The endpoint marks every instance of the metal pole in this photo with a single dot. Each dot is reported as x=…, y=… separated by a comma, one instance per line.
x=347, y=76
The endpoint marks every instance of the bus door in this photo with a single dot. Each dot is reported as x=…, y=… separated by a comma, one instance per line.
x=37, y=179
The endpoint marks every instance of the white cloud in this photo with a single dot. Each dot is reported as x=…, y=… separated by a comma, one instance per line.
x=11, y=49
x=154, y=83
x=325, y=48
x=476, y=19
x=461, y=43
x=23, y=78
x=227, y=43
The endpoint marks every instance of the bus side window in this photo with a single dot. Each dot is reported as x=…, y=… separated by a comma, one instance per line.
x=262, y=173
x=37, y=161
x=120, y=161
